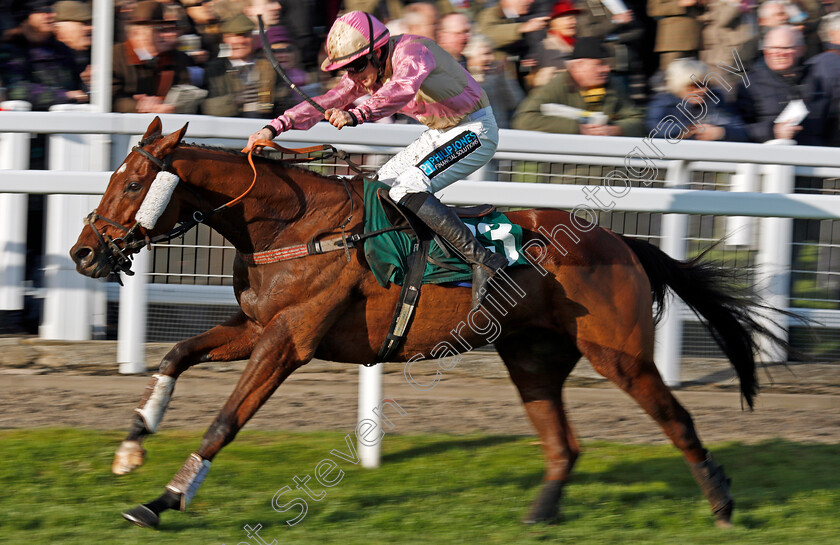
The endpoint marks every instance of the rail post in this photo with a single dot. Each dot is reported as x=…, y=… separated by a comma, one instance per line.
x=740, y=229
x=667, y=352
x=774, y=261
x=14, y=155
x=370, y=395
x=131, y=342
x=74, y=305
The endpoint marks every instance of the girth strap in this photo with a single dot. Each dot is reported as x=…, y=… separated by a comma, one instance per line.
x=315, y=247
x=407, y=303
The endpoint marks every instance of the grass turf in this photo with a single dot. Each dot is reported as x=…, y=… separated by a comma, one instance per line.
x=435, y=489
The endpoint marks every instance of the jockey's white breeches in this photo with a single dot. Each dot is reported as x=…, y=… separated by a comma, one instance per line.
x=439, y=158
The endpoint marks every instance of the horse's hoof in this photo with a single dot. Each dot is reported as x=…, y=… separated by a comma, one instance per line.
x=129, y=456
x=142, y=516
x=545, y=508
x=723, y=522
x=541, y=515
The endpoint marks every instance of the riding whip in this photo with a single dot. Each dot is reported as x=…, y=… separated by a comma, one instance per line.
x=279, y=69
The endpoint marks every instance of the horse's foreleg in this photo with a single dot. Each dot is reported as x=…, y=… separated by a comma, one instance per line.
x=230, y=341
x=539, y=367
x=272, y=360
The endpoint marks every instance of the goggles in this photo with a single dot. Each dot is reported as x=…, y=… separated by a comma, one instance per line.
x=358, y=66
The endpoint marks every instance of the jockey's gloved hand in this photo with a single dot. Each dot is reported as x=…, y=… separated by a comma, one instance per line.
x=262, y=134
x=340, y=118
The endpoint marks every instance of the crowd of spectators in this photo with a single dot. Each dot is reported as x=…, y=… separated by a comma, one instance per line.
x=602, y=67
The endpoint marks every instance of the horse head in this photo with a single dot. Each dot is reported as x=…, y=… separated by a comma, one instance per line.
x=136, y=205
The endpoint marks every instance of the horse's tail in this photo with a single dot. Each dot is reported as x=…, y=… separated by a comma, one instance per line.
x=705, y=287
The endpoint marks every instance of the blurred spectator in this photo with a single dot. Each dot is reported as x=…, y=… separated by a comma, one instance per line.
x=781, y=81
x=286, y=53
x=72, y=28
x=307, y=22
x=508, y=25
x=772, y=13
x=453, y=34
x=147, y=65
x=240, y=84
x=503, y=92
x=38, y=68
x=727, y=27
x=558, y=44
x=827, y=66
x=580, y=100
x=677, y=28
x=622, y=34
x=269, y=9
x=694, y=107
x=829, y=32
x=205, y=22
x=805, y=15
x=420, y=19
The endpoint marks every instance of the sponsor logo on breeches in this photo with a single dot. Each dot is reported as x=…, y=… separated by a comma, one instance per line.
x=449, y=153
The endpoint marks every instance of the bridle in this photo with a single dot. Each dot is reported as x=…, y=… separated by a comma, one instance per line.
x=118, y=251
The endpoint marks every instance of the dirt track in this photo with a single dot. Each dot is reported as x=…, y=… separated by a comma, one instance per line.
x=49, y=384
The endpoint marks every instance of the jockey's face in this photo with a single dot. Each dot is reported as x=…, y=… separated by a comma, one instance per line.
x=366, y=77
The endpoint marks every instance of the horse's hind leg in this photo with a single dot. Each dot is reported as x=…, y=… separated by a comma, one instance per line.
x=638, y=376
x=539, y=362
x=230, y=341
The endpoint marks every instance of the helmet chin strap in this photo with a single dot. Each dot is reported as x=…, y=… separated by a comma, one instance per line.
x=372, y=57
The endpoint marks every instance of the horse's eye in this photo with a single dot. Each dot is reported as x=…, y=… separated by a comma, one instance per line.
x=135, y=186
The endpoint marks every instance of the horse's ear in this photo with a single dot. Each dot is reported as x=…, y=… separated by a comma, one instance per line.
x=171, y=141
x=154, y=130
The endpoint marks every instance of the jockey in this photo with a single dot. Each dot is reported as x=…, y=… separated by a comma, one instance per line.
x=412, y=75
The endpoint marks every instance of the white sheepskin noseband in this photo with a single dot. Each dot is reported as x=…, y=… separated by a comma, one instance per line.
x=156, y=199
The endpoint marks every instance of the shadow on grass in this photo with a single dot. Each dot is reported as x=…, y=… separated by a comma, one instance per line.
x=441, y=446
x=771, y=473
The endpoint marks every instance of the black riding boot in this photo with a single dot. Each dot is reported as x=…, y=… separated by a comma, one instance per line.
x=442, y=220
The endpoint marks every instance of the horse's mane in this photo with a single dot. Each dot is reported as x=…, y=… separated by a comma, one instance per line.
x=232, y=151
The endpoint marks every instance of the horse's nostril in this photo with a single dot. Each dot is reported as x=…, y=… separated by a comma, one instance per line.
x=82, y=253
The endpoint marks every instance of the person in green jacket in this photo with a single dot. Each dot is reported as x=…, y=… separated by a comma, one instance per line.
x=581, y=100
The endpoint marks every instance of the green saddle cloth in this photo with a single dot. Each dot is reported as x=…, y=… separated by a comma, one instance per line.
x=387, y=253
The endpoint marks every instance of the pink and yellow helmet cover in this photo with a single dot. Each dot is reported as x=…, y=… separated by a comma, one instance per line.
x=349, y=39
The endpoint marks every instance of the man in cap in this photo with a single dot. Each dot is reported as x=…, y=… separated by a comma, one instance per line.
x=240, y=85
x=36, y=67
x=146, y=65
x=72, y=28
x=412, y=75
x=558, y=44
x=597, y=108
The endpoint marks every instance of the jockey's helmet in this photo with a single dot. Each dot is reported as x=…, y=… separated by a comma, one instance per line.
x=353, y=36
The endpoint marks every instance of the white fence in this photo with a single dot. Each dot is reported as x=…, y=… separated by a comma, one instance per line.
x=84, y=146
x=74, y=308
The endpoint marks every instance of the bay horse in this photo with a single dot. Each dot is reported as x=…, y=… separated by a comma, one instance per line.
x=589, y=292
